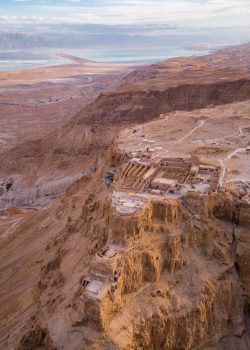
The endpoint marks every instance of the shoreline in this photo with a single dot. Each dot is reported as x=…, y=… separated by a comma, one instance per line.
x=139, y=58
x=76, y=66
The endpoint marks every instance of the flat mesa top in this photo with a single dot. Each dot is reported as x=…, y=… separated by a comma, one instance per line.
x=218, y=136
x=196, y=151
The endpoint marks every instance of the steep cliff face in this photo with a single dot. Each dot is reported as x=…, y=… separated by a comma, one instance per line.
x=182, y=281
x=186, y=303
x=242, y=260
x=244, y=214
x=179, y=285
x=145, y=104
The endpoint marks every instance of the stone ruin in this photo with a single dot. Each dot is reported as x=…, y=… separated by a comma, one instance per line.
x=103, y=274
x=142, y=179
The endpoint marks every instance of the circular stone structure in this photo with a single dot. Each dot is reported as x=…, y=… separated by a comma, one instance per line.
x=108, y=252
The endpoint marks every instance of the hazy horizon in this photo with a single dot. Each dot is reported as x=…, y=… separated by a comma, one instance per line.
x=156, y=30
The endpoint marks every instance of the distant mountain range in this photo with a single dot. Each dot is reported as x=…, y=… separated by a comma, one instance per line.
x=16, y=40
x=121, y=39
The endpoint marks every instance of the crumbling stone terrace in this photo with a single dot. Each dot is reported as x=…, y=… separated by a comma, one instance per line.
x=103, y=273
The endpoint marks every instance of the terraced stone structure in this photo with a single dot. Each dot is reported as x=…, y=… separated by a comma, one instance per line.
x=144, y=178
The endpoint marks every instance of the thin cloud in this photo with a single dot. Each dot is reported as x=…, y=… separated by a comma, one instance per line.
x=127, y=12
